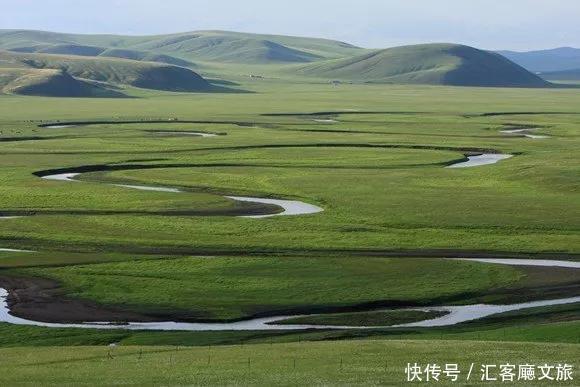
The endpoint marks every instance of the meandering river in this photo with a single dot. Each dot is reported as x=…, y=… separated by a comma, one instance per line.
x=290, y=207
x=456, y=314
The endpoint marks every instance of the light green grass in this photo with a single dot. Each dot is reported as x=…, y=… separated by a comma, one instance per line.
x=522, y=204
x=337, y=363
x=380, y=199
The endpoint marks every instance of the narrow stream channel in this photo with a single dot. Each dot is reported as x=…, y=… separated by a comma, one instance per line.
x=290, y=207
x=177, y=132
x=525, y=132
x=479, y=160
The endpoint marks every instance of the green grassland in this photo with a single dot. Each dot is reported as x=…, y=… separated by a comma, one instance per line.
x=524, y=204
x=240, y=287
x=354, y=362
x=381, y=180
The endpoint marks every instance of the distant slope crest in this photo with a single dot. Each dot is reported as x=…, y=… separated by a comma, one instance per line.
x=434, y=64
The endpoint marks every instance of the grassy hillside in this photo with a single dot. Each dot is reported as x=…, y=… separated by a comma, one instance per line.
x=63, y=49
x=49, y=83
x=146, y=56
x=556, y=59
x=436, y=64
x=145, y=75
x=200, y=45
x=76, y=49
x=224, y=53
x=323, y=48
x=227, y=49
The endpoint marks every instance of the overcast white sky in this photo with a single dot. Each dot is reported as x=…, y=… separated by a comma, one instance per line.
x=490, y=24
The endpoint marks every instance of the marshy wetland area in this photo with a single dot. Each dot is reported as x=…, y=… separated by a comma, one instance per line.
x=295, y=232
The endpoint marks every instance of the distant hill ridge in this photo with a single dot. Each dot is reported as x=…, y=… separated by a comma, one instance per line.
x=80, y=50
x=565, y=75
x=199, y=45
x=163, y=62
x=555, y=59
x=111, y=71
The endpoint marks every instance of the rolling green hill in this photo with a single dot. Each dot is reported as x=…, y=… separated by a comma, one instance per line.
x=201, y=45
x=313, y=48
x=221, y=48
x=63, y=49
x=145, y=56
x=435, y=64
x=76, y=49
x=49, y=83
x=145, y=75
x=224, y=53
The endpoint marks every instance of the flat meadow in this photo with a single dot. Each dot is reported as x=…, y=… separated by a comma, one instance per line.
x=373, y=157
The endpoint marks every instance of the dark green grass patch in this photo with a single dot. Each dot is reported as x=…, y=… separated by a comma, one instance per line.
x=362, y=319
x=238, y=287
